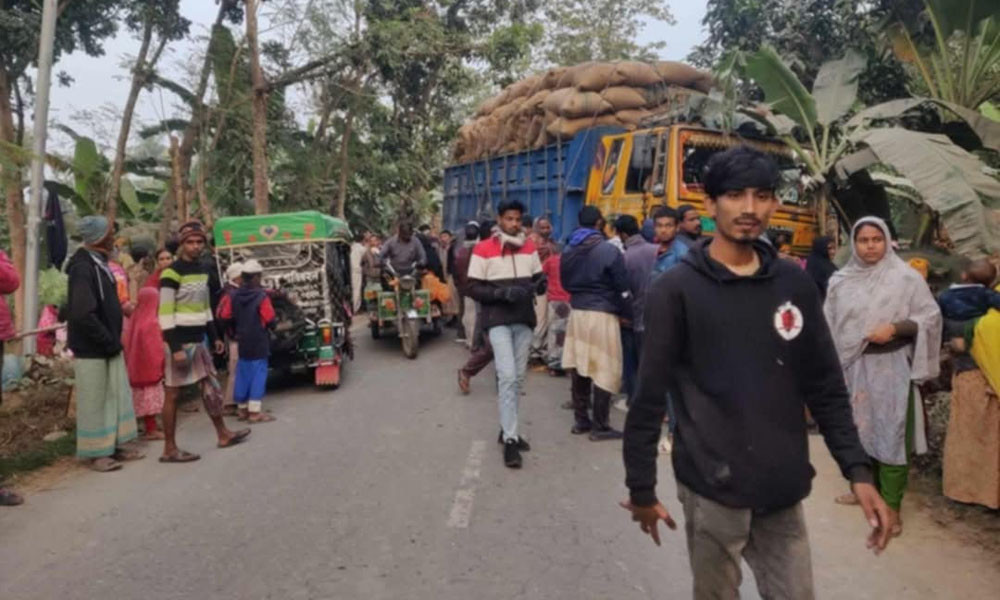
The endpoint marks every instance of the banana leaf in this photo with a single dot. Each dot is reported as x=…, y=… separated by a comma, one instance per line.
x=783, y=91
x=950, y=180
x=987, y=129
x=836, y=87
x=961, y=15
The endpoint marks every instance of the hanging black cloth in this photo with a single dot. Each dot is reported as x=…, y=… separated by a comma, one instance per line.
x=55, y=229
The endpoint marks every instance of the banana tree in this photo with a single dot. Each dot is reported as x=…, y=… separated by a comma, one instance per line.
x=954, y=46
x=816, y=115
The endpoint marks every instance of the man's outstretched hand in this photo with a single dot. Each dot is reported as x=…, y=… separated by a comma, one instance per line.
x=648, y=517
x=877, y=513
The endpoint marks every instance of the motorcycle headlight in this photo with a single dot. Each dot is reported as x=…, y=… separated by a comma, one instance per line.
x=407, y=283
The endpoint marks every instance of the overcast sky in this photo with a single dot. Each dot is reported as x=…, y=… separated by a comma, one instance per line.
x=101, y=84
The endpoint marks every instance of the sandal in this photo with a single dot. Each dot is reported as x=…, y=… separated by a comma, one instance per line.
x=153, y=436
x=127, y=454
x=105, y=464
x=261, y=417
x=9, y=498
x=229, y=410
x=182, y=456
x=238, y=437
x=848, y=499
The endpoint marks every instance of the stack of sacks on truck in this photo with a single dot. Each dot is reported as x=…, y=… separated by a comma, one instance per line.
x=558, y=104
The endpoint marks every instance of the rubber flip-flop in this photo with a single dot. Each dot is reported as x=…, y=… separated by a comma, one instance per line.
x=104, y=465
x=261, y=418
x=847, y=500
x=9, y=498
x=181, y=457
x=127, y=454
x=237, y=438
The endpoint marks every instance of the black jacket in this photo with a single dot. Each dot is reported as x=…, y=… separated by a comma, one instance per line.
x=593, y=272
x=741, y=358
x=94, y=319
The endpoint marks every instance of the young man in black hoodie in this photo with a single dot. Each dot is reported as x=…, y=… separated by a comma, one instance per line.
x=738, y=338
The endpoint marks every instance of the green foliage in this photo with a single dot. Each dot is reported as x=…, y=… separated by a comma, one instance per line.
x=805, y=34
x=52, y=287
x=953, y=48
x=601, y=30
x=40, y=457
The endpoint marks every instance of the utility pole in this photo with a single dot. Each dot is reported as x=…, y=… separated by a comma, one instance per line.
x=42, y=86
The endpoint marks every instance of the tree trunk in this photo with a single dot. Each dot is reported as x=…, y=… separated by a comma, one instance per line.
x=12, y=187
x=259, y=144
x=198, y=113
x=174, y=193
x=138, y=80
x=345, y=142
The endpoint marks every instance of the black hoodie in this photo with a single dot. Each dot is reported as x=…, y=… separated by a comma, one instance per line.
x=95, y=315
x=741, y=358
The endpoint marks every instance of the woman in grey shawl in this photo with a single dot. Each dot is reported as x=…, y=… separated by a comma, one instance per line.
x=887, y=329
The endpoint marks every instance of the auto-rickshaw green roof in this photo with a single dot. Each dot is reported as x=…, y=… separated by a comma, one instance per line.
x=306, y=225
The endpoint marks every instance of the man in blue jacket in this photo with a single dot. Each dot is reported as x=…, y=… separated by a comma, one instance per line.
x=593, y=272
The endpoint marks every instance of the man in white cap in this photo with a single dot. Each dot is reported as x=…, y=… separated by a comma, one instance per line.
x=248, y=311
x=234, y=275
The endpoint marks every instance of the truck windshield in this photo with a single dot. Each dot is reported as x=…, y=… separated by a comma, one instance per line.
x=699, y=148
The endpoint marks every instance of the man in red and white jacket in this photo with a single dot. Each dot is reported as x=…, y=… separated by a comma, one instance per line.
x=504, y=276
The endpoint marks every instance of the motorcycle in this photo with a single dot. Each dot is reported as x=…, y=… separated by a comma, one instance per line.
x=403, y=307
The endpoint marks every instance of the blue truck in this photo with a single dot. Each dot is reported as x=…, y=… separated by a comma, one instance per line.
x=550, y=181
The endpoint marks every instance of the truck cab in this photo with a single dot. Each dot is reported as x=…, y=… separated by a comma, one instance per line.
x=635, y=171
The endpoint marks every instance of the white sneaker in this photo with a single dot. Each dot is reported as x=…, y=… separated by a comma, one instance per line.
x=621, y=405
x=665, y=446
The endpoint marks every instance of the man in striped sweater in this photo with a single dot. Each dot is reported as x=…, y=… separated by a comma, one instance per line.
x=504, y=276
x=188, y=326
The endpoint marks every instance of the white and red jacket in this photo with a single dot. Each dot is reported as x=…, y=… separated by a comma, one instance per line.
x=499, y=262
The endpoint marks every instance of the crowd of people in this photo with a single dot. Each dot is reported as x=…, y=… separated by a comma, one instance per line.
x=722, y=351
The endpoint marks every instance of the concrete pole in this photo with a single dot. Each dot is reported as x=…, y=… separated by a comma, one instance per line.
x=40, y=131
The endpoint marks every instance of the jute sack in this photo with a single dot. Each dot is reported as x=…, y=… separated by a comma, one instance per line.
x=556, y=78
x=632, y=116
x=637, y=74
x=491, y=104
x=584, y=104
x=677, y=73
x=553, y=102
x=502, y=113
x=624, y=98
x=524, y=87
x=594, y=77
x=534, y=104
x=567, y=128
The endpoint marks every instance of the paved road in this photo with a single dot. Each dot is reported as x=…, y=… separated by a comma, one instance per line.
x=392, y=488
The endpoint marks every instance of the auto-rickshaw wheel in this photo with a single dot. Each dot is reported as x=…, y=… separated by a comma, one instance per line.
x=410, y=338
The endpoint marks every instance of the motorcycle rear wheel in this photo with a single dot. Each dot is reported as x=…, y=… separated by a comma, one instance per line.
x=410, y=338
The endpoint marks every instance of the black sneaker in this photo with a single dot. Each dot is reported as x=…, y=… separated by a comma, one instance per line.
x=581, y=428
x=522, y=444
x=511, y=455
x=600, y=435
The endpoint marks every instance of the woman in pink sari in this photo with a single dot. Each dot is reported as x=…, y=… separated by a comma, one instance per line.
x=144, y=359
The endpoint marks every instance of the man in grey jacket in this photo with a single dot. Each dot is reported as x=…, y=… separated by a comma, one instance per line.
x=403, y=250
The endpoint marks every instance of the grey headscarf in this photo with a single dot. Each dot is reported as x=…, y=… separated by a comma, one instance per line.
x=861, y=297
x=92, y=229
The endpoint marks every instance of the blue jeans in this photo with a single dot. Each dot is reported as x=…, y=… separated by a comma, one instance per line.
x=511, y=344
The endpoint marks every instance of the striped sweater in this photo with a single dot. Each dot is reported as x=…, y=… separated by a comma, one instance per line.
x=185, y=304
x=495, y=263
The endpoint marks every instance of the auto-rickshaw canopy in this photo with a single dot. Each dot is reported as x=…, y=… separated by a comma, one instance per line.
x=302, y=226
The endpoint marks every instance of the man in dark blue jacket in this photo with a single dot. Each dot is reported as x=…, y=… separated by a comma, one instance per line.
x=593, y=272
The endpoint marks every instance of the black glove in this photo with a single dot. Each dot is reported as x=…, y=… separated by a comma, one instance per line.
x=542, y=286
x=511, y=294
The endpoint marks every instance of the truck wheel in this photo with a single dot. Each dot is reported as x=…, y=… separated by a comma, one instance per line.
x=410, y=338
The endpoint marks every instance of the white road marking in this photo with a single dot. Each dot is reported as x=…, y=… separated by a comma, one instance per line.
x=461, y=508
